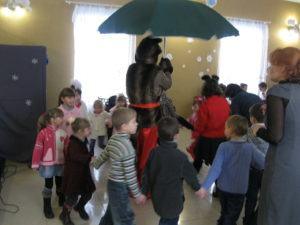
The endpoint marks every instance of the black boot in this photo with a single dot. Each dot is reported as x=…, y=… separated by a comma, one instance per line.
x=82, y=213
x=61, y=198
x=48, y=209
x=65, y=217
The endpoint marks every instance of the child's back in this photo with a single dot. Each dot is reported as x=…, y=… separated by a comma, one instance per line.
x=163, y=178
x=231, y=166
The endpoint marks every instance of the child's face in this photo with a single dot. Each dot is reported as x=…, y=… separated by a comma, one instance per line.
x=77, y=98
x=58, y=121
x=195, y=107
x=130, y=127
x=121, y=103
x=228, y=131
x=68, y=101
x=86, y=132
x=98, y=109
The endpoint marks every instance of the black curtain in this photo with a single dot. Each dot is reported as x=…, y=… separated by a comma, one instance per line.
x=22, y=99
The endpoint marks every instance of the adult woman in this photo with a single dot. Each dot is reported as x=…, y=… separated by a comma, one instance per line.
x=280, y=199
x=210, y=122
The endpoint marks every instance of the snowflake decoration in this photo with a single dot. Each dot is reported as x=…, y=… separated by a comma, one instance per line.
x=199, y=59
x=207, y=70
x=28, y=102
x=189, y=51
x=183, y=66
x=34, y=61
x=209, y=58
x=14, y=77
x=169, y=56
x=190, y=40
x=215, y=51
x=201, y=74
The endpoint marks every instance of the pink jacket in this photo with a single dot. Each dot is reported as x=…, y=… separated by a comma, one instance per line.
x=49, y=147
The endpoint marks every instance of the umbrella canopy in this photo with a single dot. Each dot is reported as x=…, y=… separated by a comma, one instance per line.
x=168, y=18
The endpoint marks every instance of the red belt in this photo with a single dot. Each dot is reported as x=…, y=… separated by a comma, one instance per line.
x=146, y=105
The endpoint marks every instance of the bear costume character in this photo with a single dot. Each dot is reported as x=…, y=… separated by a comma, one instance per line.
x=145, y=83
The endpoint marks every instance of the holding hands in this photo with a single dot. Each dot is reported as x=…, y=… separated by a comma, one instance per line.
x=201, y=193
x=140, y=200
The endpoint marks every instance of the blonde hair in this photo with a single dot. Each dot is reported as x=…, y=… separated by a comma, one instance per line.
x=238, y=125
x=98, y=103
x=80, y=124
x=122, y=116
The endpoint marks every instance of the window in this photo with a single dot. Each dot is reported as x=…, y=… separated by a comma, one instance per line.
x=243, y=59
x=101, y=60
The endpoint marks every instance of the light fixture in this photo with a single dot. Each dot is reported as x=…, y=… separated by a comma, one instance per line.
x=293, y=26
x=17, y=4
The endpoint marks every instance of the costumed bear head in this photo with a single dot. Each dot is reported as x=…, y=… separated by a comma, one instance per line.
x=148, y=50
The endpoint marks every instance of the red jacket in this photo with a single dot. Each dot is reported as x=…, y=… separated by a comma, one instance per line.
x=49, y=147
x=212, y=115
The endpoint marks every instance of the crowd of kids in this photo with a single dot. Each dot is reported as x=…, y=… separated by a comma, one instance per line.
x=64, y=152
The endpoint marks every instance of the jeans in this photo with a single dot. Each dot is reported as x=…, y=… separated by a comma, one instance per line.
x=119, y=211
x=164, y=221
x=231, y=207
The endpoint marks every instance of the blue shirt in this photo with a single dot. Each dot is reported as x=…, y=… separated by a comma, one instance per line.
x=232, y=164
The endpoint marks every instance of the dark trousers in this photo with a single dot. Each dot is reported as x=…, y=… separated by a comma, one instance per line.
x=255, y=178
x=101, y=144
x=164, y=221
x=2, y=166
x=231, y=207
x=119, y=211
x=205, y=150
x=72, y=200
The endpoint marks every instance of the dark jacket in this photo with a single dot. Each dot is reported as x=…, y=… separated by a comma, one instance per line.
x=77, y=176
x=242, y=102
x=163, y=177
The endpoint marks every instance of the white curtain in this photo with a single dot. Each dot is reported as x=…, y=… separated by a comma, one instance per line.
x=101, y=60
x=243, y=59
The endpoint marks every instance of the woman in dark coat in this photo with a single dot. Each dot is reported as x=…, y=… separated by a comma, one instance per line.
x=77, y=179
x=241, y=101
x=280, y=199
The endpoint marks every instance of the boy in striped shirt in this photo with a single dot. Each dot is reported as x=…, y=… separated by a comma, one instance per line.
x=122, y=175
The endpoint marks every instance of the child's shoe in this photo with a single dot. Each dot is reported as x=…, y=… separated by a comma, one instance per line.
x=65, y=217
x=82, y=213
x=48, y=212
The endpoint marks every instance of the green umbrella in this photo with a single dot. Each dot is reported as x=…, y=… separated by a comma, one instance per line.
x=168, y=18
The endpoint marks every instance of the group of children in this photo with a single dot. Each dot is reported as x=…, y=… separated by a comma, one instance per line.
x=62, y=150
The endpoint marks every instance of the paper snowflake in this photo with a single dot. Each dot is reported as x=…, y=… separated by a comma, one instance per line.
x=209, y=58
x=14, y=77
x=199, y=59
x=28, y=102
x=34, y=61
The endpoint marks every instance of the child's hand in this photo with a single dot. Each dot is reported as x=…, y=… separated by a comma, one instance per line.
x=256, y=127
x=140, y=200
x=201, y=193
x=92, y=160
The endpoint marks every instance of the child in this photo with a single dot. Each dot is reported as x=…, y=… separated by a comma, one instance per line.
x=66, y=102
x=263, y=90
x=165, y=171
x=122, y=176
x=79, y=104
x=99, y=120
x=193, y=120
x=257, y=117
x=77, y=175
x=48, y=157
x=231, y=168
x=121, y=101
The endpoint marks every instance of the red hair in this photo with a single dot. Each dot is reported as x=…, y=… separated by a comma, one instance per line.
x=290, y=59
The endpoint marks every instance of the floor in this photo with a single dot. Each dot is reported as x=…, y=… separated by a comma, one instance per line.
x=24, y=191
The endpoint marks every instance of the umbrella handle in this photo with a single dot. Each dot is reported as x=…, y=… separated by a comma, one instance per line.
x=164, y=47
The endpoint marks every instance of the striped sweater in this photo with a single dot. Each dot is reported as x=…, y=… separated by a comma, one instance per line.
x=121, y=153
